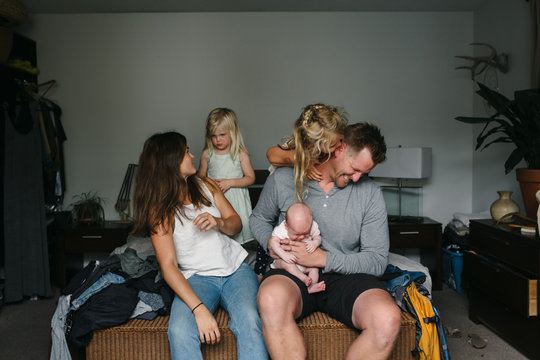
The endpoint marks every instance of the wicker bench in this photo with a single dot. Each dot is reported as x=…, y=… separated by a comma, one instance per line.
x=325, y=339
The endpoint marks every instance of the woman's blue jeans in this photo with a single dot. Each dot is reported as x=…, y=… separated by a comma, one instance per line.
x=237, y=294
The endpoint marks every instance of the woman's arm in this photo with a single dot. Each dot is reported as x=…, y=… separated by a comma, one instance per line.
x=166, y=257
x=246, y=180
x=203, y=165
x=229, y=223
x=280, y=157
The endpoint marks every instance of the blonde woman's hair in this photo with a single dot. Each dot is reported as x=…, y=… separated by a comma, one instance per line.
x=314, y=133
x=227, y=118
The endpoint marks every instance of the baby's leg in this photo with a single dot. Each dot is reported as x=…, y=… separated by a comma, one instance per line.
x=315, y=286
x=293, y=270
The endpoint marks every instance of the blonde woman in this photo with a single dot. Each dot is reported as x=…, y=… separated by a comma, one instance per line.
x=317, y=132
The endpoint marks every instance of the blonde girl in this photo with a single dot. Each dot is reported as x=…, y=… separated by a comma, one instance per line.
x=317, y=132
x=226, y=160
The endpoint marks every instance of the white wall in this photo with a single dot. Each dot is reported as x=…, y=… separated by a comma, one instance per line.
x=505, y=25
x=122, y=77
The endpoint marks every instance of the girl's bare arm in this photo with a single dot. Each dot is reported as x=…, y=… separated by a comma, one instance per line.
x=203, y=165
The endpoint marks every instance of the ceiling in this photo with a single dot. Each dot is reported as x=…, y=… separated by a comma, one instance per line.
x=126, y=6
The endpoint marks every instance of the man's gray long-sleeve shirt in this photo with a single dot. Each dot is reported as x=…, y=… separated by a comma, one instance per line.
x=352, y=221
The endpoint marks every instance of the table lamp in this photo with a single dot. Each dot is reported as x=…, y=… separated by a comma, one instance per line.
x=404, y=163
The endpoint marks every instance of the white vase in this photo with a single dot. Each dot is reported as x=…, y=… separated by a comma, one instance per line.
x=502, y=206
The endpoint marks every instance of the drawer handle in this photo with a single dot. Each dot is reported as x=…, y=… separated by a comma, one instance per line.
x=505, y=242
x=409, y=232
x=92, y=236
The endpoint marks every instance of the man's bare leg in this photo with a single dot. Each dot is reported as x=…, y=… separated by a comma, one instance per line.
x=280, y=302
x=379, y=318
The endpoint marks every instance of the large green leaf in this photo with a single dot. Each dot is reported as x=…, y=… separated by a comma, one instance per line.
x=515, y=157
x=473, y=120
x=515, y=121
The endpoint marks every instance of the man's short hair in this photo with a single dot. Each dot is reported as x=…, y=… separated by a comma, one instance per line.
x=365, y=135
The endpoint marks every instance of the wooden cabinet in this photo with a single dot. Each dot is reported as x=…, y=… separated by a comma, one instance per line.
x=501, y=272
x=78, y=240
x=424, y=235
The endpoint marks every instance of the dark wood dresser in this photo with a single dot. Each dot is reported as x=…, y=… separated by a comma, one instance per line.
x=501, y=272
x=426, y=235
x=76, y=240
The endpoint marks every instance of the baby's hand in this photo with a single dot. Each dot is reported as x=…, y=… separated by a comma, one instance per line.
x=310, y=246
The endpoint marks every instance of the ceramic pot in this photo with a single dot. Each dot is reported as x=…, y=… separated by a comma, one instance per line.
x=502, y=206
x=538, y=211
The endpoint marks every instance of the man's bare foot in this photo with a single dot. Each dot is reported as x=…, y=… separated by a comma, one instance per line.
x=317, y=287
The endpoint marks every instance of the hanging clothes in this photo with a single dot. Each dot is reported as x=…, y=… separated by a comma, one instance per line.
x=25, y=235
x=53, y=137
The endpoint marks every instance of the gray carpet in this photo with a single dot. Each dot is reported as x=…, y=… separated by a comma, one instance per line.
x=24, y=329
x=453, y=308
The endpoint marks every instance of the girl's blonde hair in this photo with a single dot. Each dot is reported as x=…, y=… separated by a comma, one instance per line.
x=227, y=118
x=314, y=132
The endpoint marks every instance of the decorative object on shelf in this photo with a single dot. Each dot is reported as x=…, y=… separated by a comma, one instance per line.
x=87, y=208
x=515, y=121
x=404, y=163
x=502, y=206
x=482, y=63
x=123, y=203
x=12, y=13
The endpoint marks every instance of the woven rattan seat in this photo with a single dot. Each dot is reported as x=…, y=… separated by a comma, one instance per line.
x=325, y=339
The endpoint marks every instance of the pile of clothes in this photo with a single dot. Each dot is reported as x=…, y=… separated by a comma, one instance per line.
x=107, y=293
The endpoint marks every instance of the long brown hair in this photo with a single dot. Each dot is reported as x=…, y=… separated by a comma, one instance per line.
x=160, y=189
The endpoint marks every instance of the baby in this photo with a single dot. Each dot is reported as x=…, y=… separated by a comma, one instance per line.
x=298, y=226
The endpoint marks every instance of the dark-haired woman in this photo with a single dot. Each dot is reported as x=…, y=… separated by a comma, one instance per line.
x=190, y=221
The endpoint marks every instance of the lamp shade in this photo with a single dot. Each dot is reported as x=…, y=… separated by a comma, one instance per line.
x=405, y=163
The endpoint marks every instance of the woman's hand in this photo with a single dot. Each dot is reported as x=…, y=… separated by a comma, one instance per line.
x=207, y=325
x=206, y=222
x=224, y=184
x=314, y=174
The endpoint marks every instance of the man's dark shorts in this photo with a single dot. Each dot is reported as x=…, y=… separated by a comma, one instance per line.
x=338, y=298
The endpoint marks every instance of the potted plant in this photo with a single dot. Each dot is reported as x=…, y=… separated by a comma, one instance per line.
x=87, y=208
x=515, y=121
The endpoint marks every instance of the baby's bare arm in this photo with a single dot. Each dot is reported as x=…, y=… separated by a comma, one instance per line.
x=275, y=247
